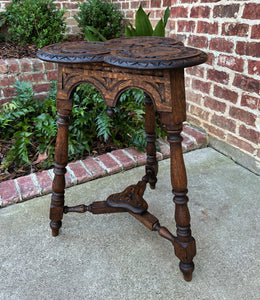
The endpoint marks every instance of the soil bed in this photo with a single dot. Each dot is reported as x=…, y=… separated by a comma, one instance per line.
x=11, y=49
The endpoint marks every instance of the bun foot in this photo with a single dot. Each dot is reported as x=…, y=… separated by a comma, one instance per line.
x=55, y=227
x=187, y=270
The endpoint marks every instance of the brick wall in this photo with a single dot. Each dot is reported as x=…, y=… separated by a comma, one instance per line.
x=39, y=73
x=223, y=94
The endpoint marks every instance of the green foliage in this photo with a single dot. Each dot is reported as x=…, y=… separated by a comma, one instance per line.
x=143, y=26
x=24, y=121
x=99, y=20
x=36, y=22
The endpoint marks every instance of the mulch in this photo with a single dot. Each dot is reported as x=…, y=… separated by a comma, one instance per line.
x=11, y=49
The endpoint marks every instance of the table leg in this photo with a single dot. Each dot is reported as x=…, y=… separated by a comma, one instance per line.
x=150, y=130
x=58, y=185
x=184, y=245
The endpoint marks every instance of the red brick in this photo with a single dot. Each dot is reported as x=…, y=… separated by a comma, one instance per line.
x=179, y=12
x=37, y=65
x=45, y=182
x=230, y=29
x=69, y=179
x=242, y=115
x=189, y=1
x=52, y=75
x=49, y=66
x=193, y=97
x=201, y=85
x=213, y=130
x=186, y=26
x=200, y=12
x=209, y=1
x=249, y=134
x=200, y=137
x=254, y=67
x=215, y=104
x=231, y=62
x=246, y=83
x=155, y=3
x=187, y=142
x=41, y=88
x=3, y=67
x=26, y=65
x=125, y=5
x=32, y=77
x=199, y=112
x=238, y=142
x=255, y=33
x=94, y=167
x=7, y=80
x=250, y=101
x=13, y=65
x=166, y=3
x=111, y=165
x=70, y=5
x=221, y=45
x=164, y=148
x=9, y=92
x=223, y=123
x=139, y=157
x=249, y=49
x=198, y=41
x=80, y=172
x=251, y=11
x=8, y=192
x=196, y=71
x=218, y=76
x=27, y=187
x=194, y=120
x=226, y=94
x=211, y=59
x=124, y=159
x=225, y=11
x=205, y=27
x=134, y=5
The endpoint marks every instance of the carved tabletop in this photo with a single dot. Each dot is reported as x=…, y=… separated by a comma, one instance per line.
x=135, y=52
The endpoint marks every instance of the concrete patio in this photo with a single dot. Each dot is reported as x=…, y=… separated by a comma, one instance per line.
x=115, y=257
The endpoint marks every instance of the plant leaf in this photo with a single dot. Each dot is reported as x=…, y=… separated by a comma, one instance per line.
x=166, y=16
x=92, y=34
x=142, y=23
x=159, y=29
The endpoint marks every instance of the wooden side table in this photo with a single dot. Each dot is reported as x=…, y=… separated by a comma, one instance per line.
x=155, y=65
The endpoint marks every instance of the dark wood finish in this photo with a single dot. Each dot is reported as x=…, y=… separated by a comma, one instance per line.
x=130, y=199
x=155, y=65
x=151, y=167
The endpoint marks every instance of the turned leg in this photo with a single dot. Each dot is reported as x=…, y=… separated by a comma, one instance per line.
x=151, y=163
x=184, y=245
x=58, y=185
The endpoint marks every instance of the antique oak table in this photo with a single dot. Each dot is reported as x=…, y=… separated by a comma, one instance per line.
x=155, y=65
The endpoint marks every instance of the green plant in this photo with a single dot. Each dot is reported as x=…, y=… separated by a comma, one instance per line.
x=143, y=26
x=99, y=20
x=29, y=124
x=36, y=22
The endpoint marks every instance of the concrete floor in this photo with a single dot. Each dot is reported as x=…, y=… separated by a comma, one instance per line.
x=116, y=257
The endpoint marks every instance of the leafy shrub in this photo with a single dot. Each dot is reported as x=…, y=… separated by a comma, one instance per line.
x=99, y=20
x=36, y=22
x=144, y=26
x=30, y=125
